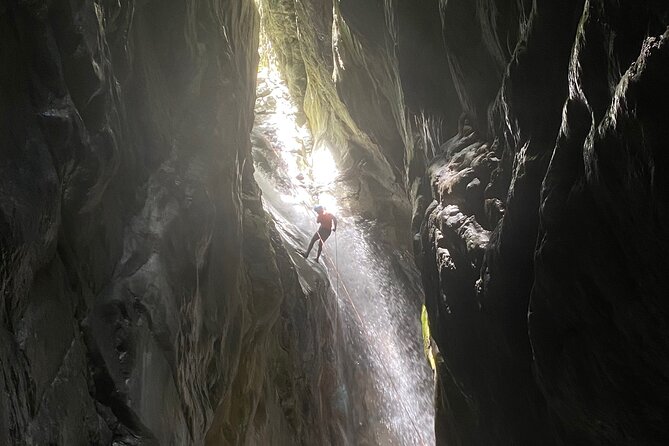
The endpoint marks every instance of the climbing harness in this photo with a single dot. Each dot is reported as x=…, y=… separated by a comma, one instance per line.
x=364, y=327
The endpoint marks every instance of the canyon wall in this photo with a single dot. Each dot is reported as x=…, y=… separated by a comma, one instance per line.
x=529, y=137
x=542, y=249
x=146, y=296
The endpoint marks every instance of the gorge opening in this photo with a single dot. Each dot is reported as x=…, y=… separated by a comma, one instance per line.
x=382, y=386
x=502, y=162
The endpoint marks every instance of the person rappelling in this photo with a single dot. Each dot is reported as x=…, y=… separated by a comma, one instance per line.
x=328, y=224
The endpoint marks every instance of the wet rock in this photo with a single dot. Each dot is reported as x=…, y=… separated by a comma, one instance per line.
x=146, y=297
x=146, y=292
x=560, y=358
x=477, y=200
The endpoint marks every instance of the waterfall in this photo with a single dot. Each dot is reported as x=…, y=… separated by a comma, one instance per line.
x=385, y=384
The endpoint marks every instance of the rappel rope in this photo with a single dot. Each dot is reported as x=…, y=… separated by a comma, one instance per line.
x=364, y=327
x=336, y=264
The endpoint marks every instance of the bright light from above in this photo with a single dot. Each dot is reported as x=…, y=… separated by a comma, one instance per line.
x=312, y=170
x=324, y=173
x=288, y=138
x=323, y=166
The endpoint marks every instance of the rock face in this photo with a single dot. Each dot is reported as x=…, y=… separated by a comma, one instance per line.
x=542, y=249
x=599, y=337
x=540, y=227
x=146, y=296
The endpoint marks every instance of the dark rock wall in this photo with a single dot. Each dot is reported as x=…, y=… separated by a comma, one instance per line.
x=539, y=226
x=146, y=297
x=542, y=249
x=598, y=314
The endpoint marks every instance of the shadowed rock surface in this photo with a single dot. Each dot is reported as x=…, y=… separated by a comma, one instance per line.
x=148, y=299
x=548, y=203
x=146, y=296
x=542, y=250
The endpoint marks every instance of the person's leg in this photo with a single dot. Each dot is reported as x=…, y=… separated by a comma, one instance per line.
x=323, y=234
x=320, y=248
x=311, y=244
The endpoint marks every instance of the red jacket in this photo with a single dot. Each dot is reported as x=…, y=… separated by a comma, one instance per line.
x=326, y=219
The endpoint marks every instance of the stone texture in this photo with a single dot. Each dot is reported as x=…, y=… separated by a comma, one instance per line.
x=599, y=337
x=540, y=289
x=146, y=296
x=134, y=244
x=547, y=202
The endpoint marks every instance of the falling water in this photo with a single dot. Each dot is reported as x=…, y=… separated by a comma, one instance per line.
x=388, y=384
